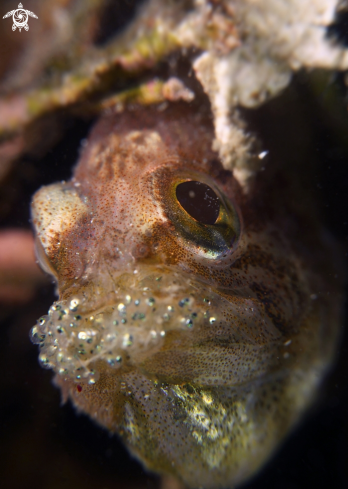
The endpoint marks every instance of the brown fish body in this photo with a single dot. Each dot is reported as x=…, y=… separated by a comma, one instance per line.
x=199, y=341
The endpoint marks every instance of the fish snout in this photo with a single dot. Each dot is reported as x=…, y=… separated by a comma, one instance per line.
x=56, y=211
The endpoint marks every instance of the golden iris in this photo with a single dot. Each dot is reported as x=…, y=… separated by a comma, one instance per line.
x=201, y=214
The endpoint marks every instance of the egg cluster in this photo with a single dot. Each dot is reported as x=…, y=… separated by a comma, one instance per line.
x=72, y=341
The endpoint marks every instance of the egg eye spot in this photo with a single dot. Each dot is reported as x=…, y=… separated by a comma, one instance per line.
x=199, y=201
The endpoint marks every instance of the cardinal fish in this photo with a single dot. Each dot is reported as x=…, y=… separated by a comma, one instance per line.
x=195, y=318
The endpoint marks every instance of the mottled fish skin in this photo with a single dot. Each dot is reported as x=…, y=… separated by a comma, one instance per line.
x=200, y=344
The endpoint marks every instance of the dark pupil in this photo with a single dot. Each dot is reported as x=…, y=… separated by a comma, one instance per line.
x=199, y=200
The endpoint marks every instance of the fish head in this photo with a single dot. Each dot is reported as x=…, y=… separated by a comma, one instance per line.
x=136, y=241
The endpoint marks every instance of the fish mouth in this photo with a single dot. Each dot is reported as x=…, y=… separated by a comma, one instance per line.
x=167, y=323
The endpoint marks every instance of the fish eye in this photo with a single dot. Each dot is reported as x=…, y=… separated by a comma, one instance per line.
x=204, y=220
x=199, y=200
